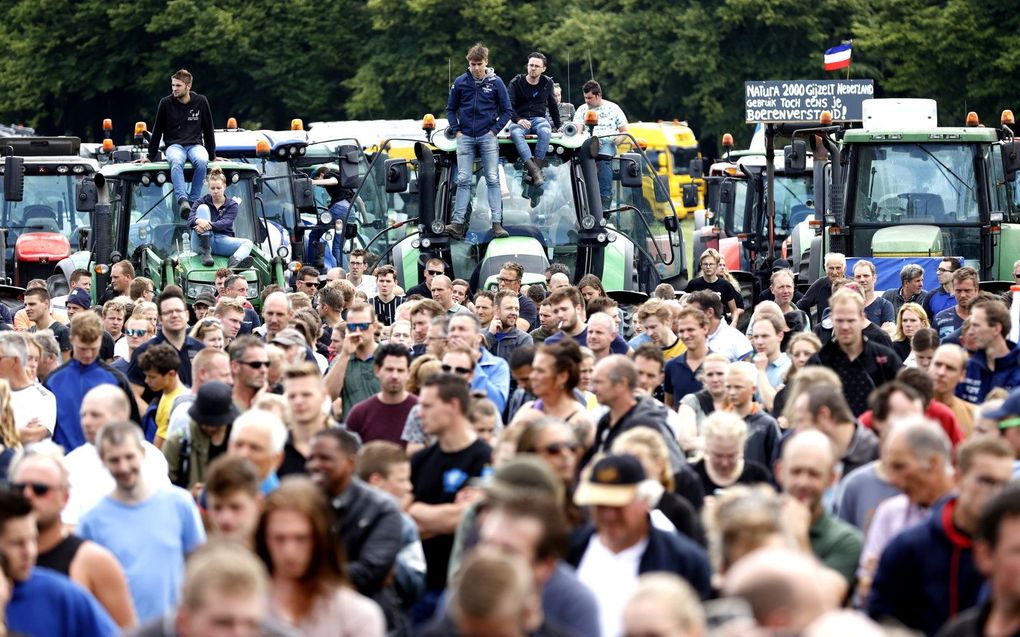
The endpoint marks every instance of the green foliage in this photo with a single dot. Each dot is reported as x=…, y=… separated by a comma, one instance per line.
x=67, y=64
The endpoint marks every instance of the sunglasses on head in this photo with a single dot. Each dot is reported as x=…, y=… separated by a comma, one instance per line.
x=136, y=332
x=38, y=488
x=449, y=369
x=255, y=364
x=358, y=327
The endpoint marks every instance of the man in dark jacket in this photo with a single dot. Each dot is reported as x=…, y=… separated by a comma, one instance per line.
x=926, y=575
x=368, y=521
x=861, y=364
x=184, y=122
x=622, y=523
x=531, y=97
x=614, y=382
x=996, y=363
x=478, y=108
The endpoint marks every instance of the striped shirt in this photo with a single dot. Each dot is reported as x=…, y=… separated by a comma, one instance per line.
x=386, y=311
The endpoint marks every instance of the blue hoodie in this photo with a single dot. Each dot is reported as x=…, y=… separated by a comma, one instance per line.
x=477, y=107
x=926, y=575
x=979, y=380
x=69, y=383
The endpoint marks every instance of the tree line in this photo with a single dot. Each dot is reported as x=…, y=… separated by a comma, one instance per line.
x=67, y=64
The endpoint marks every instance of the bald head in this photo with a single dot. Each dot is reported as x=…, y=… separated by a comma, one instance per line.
x=103, y=404
x=782, y=588
x=810, y=442
x=557, y=281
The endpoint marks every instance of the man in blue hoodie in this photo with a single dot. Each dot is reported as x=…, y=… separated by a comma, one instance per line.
x=996, y=362
x=926, y=575
x=478, y=108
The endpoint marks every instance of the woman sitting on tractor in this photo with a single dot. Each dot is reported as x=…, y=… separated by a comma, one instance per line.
x=212, y=220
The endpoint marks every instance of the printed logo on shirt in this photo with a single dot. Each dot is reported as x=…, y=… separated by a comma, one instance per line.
x=193, y=115
x=453, y=480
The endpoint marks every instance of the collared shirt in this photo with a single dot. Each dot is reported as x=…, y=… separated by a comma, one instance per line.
x=836, y=544
x=681, y=379
x=728, y=341
x=895, y=296
x=776, y=370
x=360, y=382
x=875, y=365
x=492, y=375
x=187, y=354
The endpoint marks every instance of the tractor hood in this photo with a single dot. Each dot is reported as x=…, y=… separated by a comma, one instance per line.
x=42, y=247
x=907, y=241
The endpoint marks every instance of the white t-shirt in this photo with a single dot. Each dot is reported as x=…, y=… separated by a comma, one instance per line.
x=611, y=118
x=121, y=349
x=728, y=341
x=612, y=577
x=368, y=285
x=34, y=401
x=90, y=481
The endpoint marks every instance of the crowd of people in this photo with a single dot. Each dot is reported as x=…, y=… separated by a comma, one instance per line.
x=358, y=459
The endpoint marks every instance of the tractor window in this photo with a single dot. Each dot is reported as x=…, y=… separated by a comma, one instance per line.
x=47, y=206
x=793, y=201
x=916, y=183
x=682, y=159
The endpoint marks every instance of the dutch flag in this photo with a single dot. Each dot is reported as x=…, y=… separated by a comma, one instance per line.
x=838, y=57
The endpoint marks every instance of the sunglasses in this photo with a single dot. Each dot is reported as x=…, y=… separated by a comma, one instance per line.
x=136, y=332
x=310, y=284
x=435, y=272
x=255, y=364
x=358, y=327
x=38, y=488
x=558, y=448
x=449, y=369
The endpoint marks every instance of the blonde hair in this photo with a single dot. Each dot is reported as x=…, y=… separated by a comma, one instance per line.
x=8, y=432
x=216, y=174
x=911, y=307
x=849, y=297
x=673, y=594
x=653, y=443
x=724, y=425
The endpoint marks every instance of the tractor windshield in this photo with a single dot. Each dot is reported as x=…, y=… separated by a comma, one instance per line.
x=154, y=220
x=47, y=206
x=916, y=183
x=794, y=201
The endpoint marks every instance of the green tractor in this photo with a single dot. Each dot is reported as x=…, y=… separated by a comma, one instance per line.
x=902, y=189
x=136, y=218
x=632, y=246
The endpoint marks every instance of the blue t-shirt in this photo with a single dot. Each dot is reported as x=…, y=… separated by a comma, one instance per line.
x=681, y=379
x=880, y=311
x=947, y=321
x=150, y=540
x=49, y=604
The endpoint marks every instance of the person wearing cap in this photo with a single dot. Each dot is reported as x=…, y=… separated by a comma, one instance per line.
x=203, y=304
x=622, y=543
x=293, y=343
x=188, y=454
x=1007, y=416
x=911, y=288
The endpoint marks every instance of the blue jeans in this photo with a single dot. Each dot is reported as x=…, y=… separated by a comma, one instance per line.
x=222, y=245
x=340, y=211
x=176, y=155
x=487, y=146
x=539, y=126
x=607, y=148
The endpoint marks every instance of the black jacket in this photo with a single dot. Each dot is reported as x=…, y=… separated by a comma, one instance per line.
x=666, y=551
x=188, y=124
x=527, y=101
x=368, y=521
x=876, y=364
x=647, y=412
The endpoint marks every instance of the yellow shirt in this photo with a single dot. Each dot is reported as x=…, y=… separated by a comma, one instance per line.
x=166, y=402
x=674, y=350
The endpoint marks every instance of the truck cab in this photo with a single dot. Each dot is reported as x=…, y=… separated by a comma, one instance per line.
x=670, y=148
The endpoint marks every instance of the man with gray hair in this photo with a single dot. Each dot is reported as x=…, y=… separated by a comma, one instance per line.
x=49, y=356
x=916, y=460
x=820, y=291
x=34, y=406
x=166, y=518
x=911, y=288
x=614, y=382
x=259, y=437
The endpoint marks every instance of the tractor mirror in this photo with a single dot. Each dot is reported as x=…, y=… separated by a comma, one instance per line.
x=86, y=194
x=630, y=170
x=349, y=173
x=696, y=169
x=304, y=193
x=690, y=195
x=396, y=175
x=727, y=192
x=795, y=157
x=14, y=179
x=1010, y=159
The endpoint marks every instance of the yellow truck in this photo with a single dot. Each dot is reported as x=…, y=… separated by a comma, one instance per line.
x=671, y=146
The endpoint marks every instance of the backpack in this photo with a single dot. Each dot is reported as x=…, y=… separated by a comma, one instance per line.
x=149, y=421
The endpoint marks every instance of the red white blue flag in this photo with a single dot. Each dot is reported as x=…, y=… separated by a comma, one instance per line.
x=838, y=57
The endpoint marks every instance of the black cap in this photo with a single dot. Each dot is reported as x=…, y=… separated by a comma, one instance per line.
x=613, y=482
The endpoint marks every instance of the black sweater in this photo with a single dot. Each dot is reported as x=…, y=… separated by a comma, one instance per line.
x=184, y=124
x=527, y=101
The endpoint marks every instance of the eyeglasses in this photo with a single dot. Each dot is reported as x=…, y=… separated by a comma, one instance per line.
x=463, y=371
x=943, y=270
x=38, y=488
x=136, y=332
x=558, y=448
x=311, y=284
x=502, y=280
x=358, y=327
x=434, y=272
x=255, y=364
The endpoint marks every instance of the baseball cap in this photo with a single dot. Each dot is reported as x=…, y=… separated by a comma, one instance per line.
x=1008, y=413
x=780, y=264
x=613, y=482
x=80, y=298
x=205, y=299
x=288, y=337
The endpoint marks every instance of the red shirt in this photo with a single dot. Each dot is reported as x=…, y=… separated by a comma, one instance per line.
x=936, y=411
